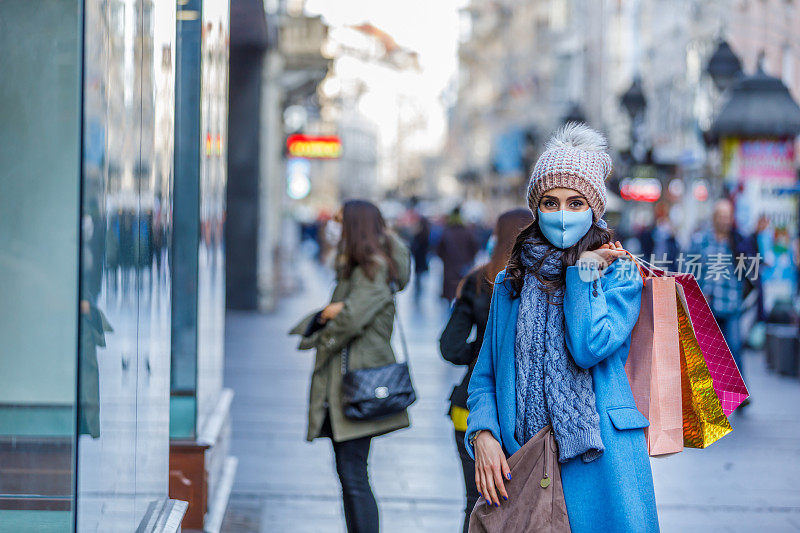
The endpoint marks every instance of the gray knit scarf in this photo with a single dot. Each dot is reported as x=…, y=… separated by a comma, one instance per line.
x=551, y=388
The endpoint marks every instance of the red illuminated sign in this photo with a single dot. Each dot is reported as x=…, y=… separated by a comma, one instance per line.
x=314, y=146
x=640, y=189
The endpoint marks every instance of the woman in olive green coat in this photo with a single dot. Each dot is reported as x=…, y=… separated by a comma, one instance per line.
x=361, y=314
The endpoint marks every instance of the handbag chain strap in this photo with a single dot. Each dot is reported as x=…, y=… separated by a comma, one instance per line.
x=346, y=351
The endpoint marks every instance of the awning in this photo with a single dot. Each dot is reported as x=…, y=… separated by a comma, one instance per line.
x=758, y=106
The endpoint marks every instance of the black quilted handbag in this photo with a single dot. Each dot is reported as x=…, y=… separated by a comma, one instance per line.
x=378, y=392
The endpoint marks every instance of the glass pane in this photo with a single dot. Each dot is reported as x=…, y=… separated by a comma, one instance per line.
x=213, y=180
x=39, y=222
x=155, y=201
x=123, y=453
x=110, y=265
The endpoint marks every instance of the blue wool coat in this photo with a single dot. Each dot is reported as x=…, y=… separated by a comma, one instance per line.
x=615, y=492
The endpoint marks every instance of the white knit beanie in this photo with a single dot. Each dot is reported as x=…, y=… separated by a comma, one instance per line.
x=574, y=158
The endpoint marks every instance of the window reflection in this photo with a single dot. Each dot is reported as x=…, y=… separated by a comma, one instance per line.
x=125, y=276
x=85, y=229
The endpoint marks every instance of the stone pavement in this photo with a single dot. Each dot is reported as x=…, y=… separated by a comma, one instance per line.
x=749, y=480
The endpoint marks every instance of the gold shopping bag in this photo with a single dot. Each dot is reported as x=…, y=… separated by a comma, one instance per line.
x=704, y=422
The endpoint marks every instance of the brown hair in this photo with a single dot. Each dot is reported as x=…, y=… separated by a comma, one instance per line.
x=516, y=269
x=506, y=229
x=508, y=226
x=364, y=240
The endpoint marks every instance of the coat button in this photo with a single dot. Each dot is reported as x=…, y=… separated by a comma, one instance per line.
x=594, y=293
x=331, y=341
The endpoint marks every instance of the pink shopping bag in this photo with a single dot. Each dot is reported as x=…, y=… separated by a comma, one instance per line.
x=728, y=382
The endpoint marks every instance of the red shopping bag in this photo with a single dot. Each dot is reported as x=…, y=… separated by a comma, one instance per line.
x=728, y=382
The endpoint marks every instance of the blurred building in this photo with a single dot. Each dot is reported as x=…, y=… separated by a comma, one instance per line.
x=358, y=165
x=766, y=31
x=112, y=266
x=369, y=100
x=525, y=68
x=528, y=66
x=278, y=65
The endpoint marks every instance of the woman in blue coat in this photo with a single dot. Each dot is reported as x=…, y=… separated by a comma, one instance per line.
x=555, y=347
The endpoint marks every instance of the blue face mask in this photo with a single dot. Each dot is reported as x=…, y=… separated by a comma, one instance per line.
x=565, y=228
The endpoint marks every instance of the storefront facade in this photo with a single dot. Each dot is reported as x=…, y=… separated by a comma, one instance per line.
x=86, y=257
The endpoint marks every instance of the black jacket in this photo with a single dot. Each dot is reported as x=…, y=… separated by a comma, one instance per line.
x=470, y=309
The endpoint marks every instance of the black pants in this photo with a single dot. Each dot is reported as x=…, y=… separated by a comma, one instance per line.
x=470, y=488
x=360, y=507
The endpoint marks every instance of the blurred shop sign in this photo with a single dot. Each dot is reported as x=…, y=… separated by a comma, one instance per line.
x=756, y=170
x=314, y=146
x=640, y=189
x=642, y=186
x=764, y=159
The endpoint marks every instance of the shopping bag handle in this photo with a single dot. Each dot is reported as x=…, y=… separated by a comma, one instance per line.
x=652, y=268
x=636, y=262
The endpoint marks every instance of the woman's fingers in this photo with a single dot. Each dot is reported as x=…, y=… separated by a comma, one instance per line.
x=504, y=468
x=488, y=479
x=499, y=483
x=491, y=469
x=479, y=481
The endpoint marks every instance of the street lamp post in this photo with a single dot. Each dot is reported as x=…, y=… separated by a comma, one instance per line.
x=634, y=102
x=724, y=66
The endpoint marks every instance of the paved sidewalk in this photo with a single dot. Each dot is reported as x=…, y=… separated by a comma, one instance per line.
x=748, y=481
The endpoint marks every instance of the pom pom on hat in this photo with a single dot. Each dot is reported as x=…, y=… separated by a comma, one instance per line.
x=574, y=158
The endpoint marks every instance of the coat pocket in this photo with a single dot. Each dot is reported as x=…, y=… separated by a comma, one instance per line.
x=627, y=418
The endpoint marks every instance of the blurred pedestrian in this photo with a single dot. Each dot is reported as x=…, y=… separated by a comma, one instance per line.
x=549, y=383
x=457, y=248
x=420, y=247
x=370, y=260
x=719, y=249
x=658, y=243
x=471, y=310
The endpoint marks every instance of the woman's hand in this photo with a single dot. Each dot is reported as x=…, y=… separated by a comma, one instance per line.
x=331, y=310
x=491, y=468
x=606, y=254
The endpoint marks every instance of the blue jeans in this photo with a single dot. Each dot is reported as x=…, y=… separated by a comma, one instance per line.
x=733, y=336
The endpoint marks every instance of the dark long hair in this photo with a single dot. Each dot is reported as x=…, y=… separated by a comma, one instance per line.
x=508, y=226
x=364, y=240
x=516, y=269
